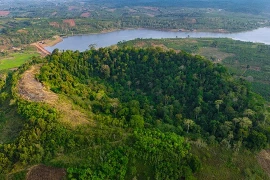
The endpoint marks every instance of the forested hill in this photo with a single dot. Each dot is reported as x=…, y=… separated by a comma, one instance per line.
x=146, y=108
x=164, y=87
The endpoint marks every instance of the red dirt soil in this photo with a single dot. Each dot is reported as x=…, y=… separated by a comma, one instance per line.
x=70, y=22
x=86, y=14
x=4, y=13
x=42, y=172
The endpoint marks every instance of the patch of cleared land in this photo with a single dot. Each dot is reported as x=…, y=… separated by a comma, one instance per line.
x=32, y=90
x=42, y=172
x=52, y=42
x=213, y=54
x=86, y=14
x=70, y=22
x=4, y=13
x=264, y=160
x=54, y=24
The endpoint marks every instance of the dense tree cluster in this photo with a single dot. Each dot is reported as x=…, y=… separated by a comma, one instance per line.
x=188, y=93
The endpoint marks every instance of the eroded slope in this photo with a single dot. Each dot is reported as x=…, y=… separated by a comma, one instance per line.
x=32, y=90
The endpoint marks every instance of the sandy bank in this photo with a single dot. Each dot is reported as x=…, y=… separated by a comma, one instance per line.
x=50, y=42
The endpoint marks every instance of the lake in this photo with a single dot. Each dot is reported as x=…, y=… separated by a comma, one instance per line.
x=82, y=42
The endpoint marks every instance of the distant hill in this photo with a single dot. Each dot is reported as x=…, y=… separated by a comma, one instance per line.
x=245, y=6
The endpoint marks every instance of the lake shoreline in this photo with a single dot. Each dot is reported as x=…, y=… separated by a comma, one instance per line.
x=110, y=37
x=58, y=39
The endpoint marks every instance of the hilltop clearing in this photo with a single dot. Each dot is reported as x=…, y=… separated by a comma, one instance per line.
x=31, y=89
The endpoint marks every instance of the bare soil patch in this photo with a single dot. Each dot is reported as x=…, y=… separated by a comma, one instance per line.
x=70, y=22
x=255, y=68
x=54, y=24
x=4, y=13
x=264, y=160
x=23, y=31
x=86, y=14
x=42, y=172
x=140, y=44
x=159, y=45
x=31, y=89
x=51, y=42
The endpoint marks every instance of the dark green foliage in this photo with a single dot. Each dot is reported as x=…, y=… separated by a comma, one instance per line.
x=160, y=86
x=257, y=140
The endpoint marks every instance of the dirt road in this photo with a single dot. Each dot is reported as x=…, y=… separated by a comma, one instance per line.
x=41, y=49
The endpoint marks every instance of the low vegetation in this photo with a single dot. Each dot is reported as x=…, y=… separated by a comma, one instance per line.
x=14, y=60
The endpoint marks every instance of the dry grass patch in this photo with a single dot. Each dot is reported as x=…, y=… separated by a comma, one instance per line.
x=23, y=31
x=140, y=44
x=264, y=160
x=159, y=45
x=42, y=172
x=214, y=54
x=71, y=114
x=31, y=89
x=54, y=24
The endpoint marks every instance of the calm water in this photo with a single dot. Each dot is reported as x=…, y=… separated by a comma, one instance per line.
x=82, y=42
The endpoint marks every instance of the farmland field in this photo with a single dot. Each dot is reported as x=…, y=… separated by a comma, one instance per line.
x=15, y=60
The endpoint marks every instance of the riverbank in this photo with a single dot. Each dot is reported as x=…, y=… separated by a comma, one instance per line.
x=57, y=39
